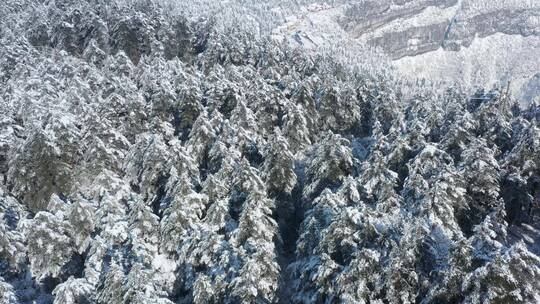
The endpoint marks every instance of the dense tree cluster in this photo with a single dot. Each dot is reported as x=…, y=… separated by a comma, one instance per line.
x=150, y=157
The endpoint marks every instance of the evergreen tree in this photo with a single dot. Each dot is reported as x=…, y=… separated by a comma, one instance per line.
x=480, y=172
x=54, y=231
x=332, y=160
x=278, y=166
x=43, y=165
x=181, y=152
x=112, y=289
x=81, y=218
x=296, y=128
x=183, y=213
x=73, y=291
x=254, y=237
x=378, y=182
x=497, y=281
x=143, y=232
x=7, y=294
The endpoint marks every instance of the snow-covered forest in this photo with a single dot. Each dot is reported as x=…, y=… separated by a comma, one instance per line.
x=163, y=153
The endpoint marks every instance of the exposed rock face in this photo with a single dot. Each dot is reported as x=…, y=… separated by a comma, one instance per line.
x=474, y=20
x=401, y=28
x=409, y=28
x=367, y=16
x=412, y=41
x=474, y=42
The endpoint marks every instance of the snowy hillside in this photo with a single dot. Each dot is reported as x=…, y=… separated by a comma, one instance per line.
x=209, y=152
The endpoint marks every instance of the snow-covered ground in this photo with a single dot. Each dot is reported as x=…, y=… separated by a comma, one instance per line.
x=315, y=26
x=488, y=61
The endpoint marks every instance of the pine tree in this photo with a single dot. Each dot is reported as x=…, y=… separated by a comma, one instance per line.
x=254, y=238
x=303, y=98
x=7, y=294
x=189, y=107
x=73, y=291
x=81, y=219
x=494, y=118
x=12, y=247
x=339, y=108
x=203, y=291
x=296, y=128
x=313, y=266
x=362, y=282
x=480, y=172
x=145, y=164
x=183, y=212
x=140, y=288
x=112, y=288
x=378, y=182
x=143, y=232
x=269, y=108
x=459, y=135
x=43, y=164
x=202, y=136
x=113, y=195
x=50, y=244
x=278, y=166
x=489, y=237
x=12, y=244
x=402, y=281
x=524, y=155
x=510, y=277
x=332, y=160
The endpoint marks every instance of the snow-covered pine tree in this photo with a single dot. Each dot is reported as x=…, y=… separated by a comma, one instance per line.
x=511, y=276
x=254, y=238
x=278, y=166
x=296, y=128
x=183, y=212
x=73, y=291
x=331, y=162
x=44, y=162
x=480, y=174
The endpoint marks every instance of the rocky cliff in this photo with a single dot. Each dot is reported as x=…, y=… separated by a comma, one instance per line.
x=409, y=28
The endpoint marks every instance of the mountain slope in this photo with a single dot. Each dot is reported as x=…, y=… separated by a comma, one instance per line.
x=442, y=41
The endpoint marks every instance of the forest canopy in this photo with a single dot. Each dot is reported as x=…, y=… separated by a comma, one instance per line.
x=152, y=155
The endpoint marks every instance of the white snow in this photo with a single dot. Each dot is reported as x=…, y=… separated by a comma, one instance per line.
x=164, y=264
x=316, y=26
x=486, y=62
